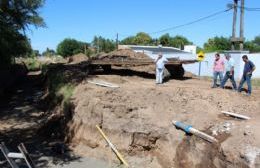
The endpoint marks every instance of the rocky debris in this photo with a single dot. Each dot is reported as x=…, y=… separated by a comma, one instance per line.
x=252, y=155
x=248, y=131
x=225, y=127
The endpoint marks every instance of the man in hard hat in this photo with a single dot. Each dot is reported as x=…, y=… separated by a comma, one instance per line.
x=229, y=67
x=160, y=62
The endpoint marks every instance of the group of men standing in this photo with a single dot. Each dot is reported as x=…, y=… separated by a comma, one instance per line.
x=229, y=67
x=219, y=67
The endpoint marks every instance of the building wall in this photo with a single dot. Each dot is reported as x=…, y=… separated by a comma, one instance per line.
x=207, y=64
x=255, y=58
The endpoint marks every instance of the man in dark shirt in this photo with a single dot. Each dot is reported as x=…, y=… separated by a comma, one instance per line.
x=247, y=74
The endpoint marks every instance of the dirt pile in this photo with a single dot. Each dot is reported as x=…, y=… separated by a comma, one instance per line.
x=123, y=53
x=78, y=58
x=137, y=118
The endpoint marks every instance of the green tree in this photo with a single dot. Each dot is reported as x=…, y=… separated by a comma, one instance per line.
x=69, y=47
x=128, y=41
x=142, y=39
x=15, y=17
x=254, y=45
x=176, y=41
x=103, y=45
x=165, y=39
x=217, y=44
x=179, y=41
x=257, y=40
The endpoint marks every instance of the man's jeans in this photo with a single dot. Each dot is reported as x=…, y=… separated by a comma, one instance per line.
x=231, y=77
x=215, y=78
x=159, y=75
x=246, y=78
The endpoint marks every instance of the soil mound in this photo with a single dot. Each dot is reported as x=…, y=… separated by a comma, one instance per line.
x=78, y=58
x=123, y=53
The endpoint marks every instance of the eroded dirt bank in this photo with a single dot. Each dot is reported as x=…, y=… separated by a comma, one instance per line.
x=137, y=118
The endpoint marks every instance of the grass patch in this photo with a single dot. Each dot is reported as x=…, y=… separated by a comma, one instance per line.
x=60, y=90
x=66, y=91
x=32, y=64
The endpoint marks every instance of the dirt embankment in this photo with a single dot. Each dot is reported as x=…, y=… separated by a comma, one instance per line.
x=137, y=118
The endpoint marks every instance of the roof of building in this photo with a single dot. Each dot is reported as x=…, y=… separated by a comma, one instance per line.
x=154, y=49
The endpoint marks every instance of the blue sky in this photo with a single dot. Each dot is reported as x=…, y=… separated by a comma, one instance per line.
x=83, y=19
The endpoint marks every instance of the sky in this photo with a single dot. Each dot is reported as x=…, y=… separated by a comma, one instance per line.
x=83, y=19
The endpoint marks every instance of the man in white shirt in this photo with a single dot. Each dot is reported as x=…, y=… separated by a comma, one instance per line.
x=160, y=62
x=230, y=64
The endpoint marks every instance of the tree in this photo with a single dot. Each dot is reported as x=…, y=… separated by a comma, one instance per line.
x=15, y=17
x=142, y=39
x=254, y=45
x=217, y=44
x=179, y=41
x=103, y=45
x=69, y=47
x=257, y=40
x=165, y=39
x=48, y=52
x=128, y=40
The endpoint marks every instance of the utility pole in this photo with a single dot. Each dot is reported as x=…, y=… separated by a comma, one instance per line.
x=234, y=25
x=239, y=40
x=242, y=9
x=98, y=45
x=117, y=42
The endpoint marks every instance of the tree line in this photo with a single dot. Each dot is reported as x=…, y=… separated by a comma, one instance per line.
x=69, y=47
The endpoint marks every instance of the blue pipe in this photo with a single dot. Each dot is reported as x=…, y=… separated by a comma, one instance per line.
x=183, y=126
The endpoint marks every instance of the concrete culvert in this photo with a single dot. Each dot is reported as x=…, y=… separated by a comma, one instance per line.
x=106, y=68
x=176, y=71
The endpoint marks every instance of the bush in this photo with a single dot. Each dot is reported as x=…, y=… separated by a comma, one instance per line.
x=60, y=90
x=32, y=64
x=69, y=47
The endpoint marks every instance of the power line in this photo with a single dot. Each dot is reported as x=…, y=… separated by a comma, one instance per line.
x=249, y=8
x=192, y=22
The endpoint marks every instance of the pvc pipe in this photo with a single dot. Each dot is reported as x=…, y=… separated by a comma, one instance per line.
x=15, y=155
x=104, y=84
x=190, y=130
x=236, y=115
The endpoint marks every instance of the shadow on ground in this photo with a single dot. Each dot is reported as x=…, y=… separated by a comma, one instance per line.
x=130, y=72
x=20, y=120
